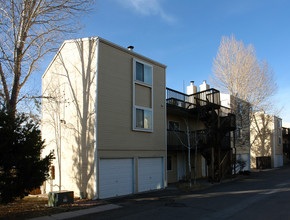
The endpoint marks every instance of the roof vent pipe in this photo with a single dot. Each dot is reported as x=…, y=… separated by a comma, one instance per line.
x=130, y=48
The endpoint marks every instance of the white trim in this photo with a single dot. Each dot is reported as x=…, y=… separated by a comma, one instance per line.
x=134, y=70
x=145, y=108
x=96, y=121
x=143, y=83
x=134, y=107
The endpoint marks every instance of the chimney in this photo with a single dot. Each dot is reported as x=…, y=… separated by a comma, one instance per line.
x=130, y=48
x=191, y=89
x=203, y=86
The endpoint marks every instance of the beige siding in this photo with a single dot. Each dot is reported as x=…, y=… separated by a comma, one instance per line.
x=261, y=136
x=116, y=137
x=115, y=96
x=265, y=134
x=70, y=82
x=143, y=96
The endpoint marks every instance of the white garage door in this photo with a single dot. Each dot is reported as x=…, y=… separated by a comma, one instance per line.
x=150, y=174
x=116, y=177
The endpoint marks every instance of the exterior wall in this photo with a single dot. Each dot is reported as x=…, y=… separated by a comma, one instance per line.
x=68, y=116
x=266, y=135
x=116, y=137
x=278, y=143
x=180, y=157
x=172, y=175
x=286, y=142
x=90, y=73
x=261, y=137
x=242, y=135
x=179, y=166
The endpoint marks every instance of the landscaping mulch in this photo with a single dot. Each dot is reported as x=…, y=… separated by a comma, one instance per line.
x=37, y=206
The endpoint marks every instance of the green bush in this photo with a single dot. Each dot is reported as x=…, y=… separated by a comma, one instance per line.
x=22, y=168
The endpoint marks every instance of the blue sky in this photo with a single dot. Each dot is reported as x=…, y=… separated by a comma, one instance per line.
x=185, y=34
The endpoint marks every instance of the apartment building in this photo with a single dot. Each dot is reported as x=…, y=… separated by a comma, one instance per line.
x=199, y=134
x=266, y=141
x=286, y=142
x=104, y=115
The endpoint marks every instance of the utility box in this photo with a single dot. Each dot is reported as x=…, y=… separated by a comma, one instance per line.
x=60, y=197
x=263, y=162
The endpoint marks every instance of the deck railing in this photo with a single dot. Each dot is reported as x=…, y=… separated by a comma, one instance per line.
x=210, y=96
x=203, y=98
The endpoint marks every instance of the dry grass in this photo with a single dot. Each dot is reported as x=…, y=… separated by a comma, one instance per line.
x=33, y=206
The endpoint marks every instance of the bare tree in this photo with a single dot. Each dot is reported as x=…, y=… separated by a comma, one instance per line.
x=29, y=30
x=236, y=70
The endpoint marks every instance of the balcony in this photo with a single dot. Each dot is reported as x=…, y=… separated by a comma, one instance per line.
x=177, y=139
x=204, y=98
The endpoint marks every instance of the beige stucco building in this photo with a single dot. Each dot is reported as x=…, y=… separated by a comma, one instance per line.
x=103, y=114
x=266, y=139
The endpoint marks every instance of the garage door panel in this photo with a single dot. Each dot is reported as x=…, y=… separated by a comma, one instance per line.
x=116, y=177
x=150, y=174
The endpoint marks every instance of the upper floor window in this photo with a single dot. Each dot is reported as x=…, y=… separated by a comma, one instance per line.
x=173, y=125
x=240, y=108
x=279, y=123
x=239, y=132
x=143, y=72
x=142, y=96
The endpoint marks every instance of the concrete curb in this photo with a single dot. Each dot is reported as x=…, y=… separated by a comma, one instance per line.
x=73, y=214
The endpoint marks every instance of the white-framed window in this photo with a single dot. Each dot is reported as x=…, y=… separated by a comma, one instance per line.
x=142, y=115
x=143, y=119
x=143, y=73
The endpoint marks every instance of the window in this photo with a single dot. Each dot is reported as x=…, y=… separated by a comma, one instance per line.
x=173, y=126
x=239, y=132
x=142, y=96
x=240, y=108
x=143, y=73
x=143, y=118
x=279, y=123
x=169, y=163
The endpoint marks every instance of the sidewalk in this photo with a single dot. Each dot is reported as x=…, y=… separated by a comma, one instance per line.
x=73, y=214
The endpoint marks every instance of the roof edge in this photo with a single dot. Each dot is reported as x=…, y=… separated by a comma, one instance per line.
x=103, y=41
